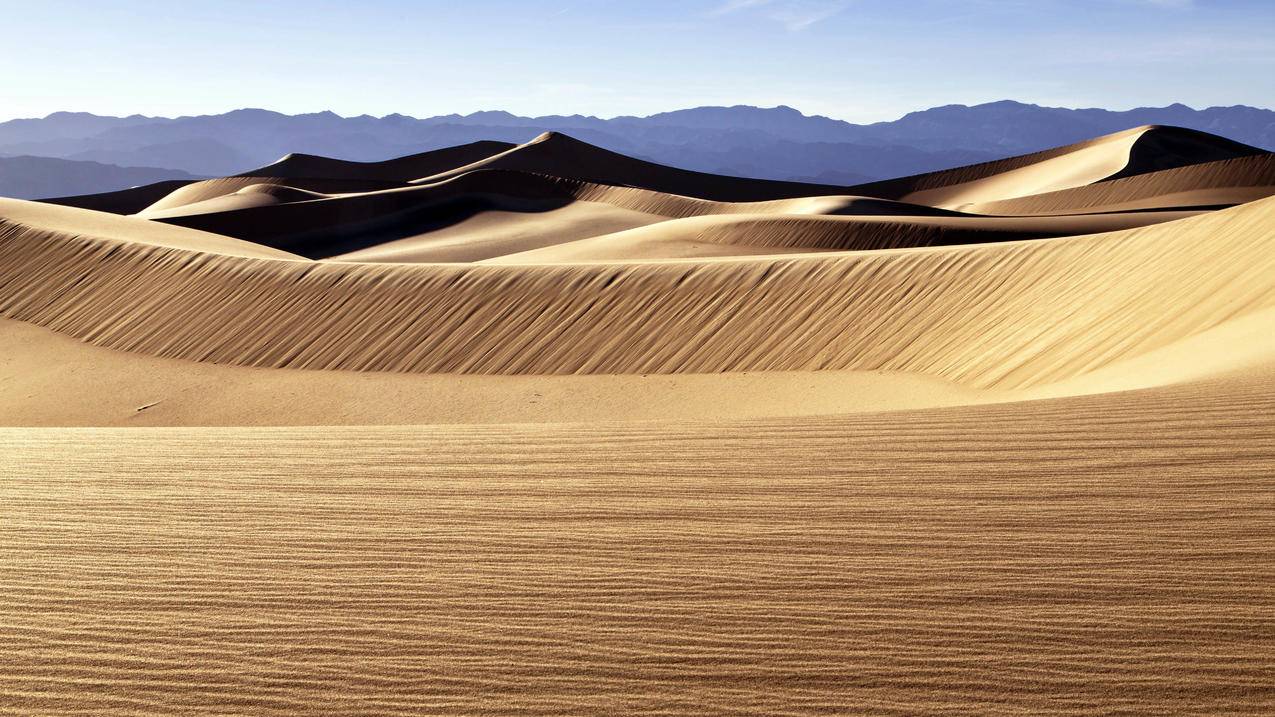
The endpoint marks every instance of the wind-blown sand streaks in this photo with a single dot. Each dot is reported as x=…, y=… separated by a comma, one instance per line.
x=1054, y=557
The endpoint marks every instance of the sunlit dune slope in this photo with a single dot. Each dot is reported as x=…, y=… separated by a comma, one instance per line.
x=26, y=224
x=124, y=201
x=1008, y=314
x=1124, y=154
x=759, y=234
x=45, y=377
x=230, y=193
x=1199, y=186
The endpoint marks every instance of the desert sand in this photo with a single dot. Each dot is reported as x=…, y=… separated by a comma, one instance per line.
x=543, y=429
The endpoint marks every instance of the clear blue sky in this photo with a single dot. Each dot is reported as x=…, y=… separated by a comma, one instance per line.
x=862, y=60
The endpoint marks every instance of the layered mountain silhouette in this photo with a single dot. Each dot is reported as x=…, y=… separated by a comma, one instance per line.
x=777, y=143
x=27, y=177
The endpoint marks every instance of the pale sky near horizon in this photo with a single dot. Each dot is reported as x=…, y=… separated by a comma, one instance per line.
x=860, y=60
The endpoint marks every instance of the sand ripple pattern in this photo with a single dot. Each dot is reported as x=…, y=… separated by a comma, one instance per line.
x=1108, y=555
x=1013, y=314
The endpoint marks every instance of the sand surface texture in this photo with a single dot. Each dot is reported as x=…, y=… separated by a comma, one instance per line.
x=543, y=429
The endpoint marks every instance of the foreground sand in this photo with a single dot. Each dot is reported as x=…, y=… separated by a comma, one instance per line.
x=541, y=429
x=1102, y=555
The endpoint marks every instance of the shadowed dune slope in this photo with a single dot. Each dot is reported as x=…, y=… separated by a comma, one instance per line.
x=1011, y=314
x=324, y=175
x=472, y=231
x=228, y=189
x=261, y=194
x=25, y=222
x=345, y=224
x=398, y=169
x=559, y=155
x=124, y=201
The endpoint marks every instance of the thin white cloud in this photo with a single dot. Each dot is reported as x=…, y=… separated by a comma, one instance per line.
x=793, y=15
x=798, y=16
x=731, y=6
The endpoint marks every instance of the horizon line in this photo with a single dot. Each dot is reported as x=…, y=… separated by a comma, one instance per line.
x=629, y=116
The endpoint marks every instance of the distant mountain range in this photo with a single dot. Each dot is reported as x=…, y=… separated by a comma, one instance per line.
x=38, y=177
x=769, y=143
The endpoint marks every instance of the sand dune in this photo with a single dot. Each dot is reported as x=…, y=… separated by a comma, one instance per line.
x=25, y=224
x=495, y=230
x=314, y=174
x=995, y=440
x=226, y=188
x=1210, y=185
x=131, y=389
x=742, y=234
x=544, y=209
x=486, y=214
x=124, y=201
x=559, y=155
x=399, y=169
x=1075, y=304
x=1124, y=154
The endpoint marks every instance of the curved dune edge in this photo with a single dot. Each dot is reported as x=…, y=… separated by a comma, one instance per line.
x=312, y=173
x=322, y=227
x=429, y=223
x=1132, y=152
x=1004, y=315
x=46, y=375
x=324, y=218
x=744, y=234
x=1076, y=166
x=900, y=187
x=397, y=169
x=20, y=219
x=122, y=201
x=198, y=197
x=1213, y=183
x=560, y=155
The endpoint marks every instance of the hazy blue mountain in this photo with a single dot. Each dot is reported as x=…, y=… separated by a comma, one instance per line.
x=770, y=143
x=199, y=155
x=40, y=177
x=66, y=125
x=1014, y=127
x=783, y=122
